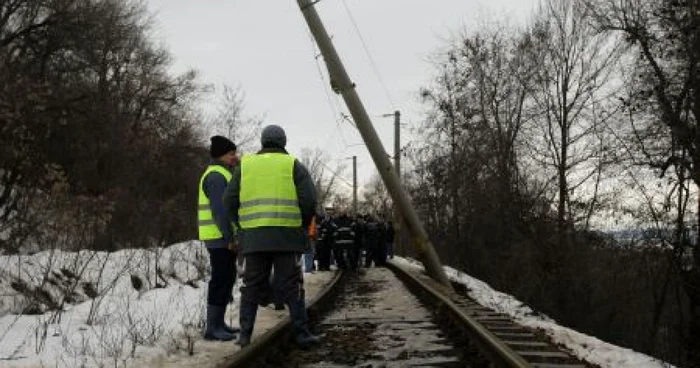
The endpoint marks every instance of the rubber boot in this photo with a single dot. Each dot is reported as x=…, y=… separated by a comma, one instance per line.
x=247, y=321
x=300, y=321
x=227, y=328
x=214, y=330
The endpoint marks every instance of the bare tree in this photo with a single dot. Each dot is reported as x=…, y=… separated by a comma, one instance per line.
x=376, y=199
x=473, y=134
x=108, y=89
x=324, y=177
x=664, y=108
x=232, y=120
x=576, y=63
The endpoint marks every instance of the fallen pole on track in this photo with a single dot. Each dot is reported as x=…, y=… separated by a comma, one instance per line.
x=341, y=83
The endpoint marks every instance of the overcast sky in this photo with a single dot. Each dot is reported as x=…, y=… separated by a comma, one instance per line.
x=265, y=48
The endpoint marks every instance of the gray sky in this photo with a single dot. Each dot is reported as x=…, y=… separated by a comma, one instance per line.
x=265, y=48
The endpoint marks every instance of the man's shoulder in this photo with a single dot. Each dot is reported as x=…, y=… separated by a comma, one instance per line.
x=213, y=175
x=214, y=178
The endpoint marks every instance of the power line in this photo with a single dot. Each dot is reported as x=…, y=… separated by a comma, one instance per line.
x=337, y=115
x=336, y=174
x=369, y=55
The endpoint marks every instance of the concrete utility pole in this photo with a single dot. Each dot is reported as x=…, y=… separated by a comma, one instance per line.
x=341, y=83
x=397, y=143
x=398, y=226
x=397, y=219
x=354, y=185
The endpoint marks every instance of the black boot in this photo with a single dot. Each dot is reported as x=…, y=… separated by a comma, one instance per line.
x=247, y=321
x=227, y=328
x=300, y=321
x=214, y=330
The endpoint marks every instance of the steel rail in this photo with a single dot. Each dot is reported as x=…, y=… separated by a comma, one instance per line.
x=494, y=348
x=427, y=289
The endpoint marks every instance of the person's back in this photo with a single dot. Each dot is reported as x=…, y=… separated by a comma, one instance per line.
x=271, y=198
x=372, y=241
x=344, y=240
x=359, y=227
x=328, y=227
x=381, y=249
x=390, y=236
x=323, y=244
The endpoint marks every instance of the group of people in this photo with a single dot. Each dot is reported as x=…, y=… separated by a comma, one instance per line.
x=262, y=208
x=258, y=207
x=350, y=243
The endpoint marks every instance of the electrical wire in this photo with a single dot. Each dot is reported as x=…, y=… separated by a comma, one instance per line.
x=337, y=115
x=369, y=55
x=336, y=174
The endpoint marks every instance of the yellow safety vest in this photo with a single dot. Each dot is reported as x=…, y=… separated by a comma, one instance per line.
x=268, y=195
x=208, y=230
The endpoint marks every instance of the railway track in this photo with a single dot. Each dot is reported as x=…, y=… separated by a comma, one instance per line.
x=393, y=317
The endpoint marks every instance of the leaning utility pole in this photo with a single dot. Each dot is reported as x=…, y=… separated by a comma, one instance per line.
x=354, y=185
x=341, y=83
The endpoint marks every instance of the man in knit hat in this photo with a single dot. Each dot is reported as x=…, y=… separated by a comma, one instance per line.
x=271, y=199
x=217, y=232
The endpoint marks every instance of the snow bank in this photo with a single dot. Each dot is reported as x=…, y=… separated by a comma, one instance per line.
x=583, y=346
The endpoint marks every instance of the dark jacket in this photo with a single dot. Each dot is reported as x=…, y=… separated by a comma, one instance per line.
x=344, y=234
x=326, y=227
x=214, y=185
x=269, y=238
x=375, y=235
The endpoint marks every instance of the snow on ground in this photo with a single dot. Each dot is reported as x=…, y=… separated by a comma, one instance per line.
x=129, y=308
x=583, y=346
x=135, y=308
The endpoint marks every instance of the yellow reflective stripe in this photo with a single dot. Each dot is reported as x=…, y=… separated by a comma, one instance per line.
x=255, y=209
x=264, y=222
x=270, y=202
x=205, y=215
x=270, y=215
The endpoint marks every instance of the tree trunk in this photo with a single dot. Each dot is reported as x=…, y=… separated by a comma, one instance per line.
x=692, y=288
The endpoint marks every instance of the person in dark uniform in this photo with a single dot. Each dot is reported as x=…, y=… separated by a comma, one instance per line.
x=372, y=243
x=324, y=244
x=380, y=253
x=390, y=239
x=344, y=242
x=360, y=241
x=271, y=199
x=217, y=232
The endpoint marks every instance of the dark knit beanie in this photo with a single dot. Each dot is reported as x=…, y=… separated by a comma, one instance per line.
x=273, y=136
x=220, y=146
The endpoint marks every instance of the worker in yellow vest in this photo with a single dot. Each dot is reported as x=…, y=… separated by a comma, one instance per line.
x=217, y=232
x=271, y=199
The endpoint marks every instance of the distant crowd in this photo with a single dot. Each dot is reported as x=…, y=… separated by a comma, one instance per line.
x=348, y=242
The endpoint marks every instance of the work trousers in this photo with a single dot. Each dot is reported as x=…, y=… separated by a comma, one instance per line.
x=323, y=253
x=289, y=278
x=223, y=276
